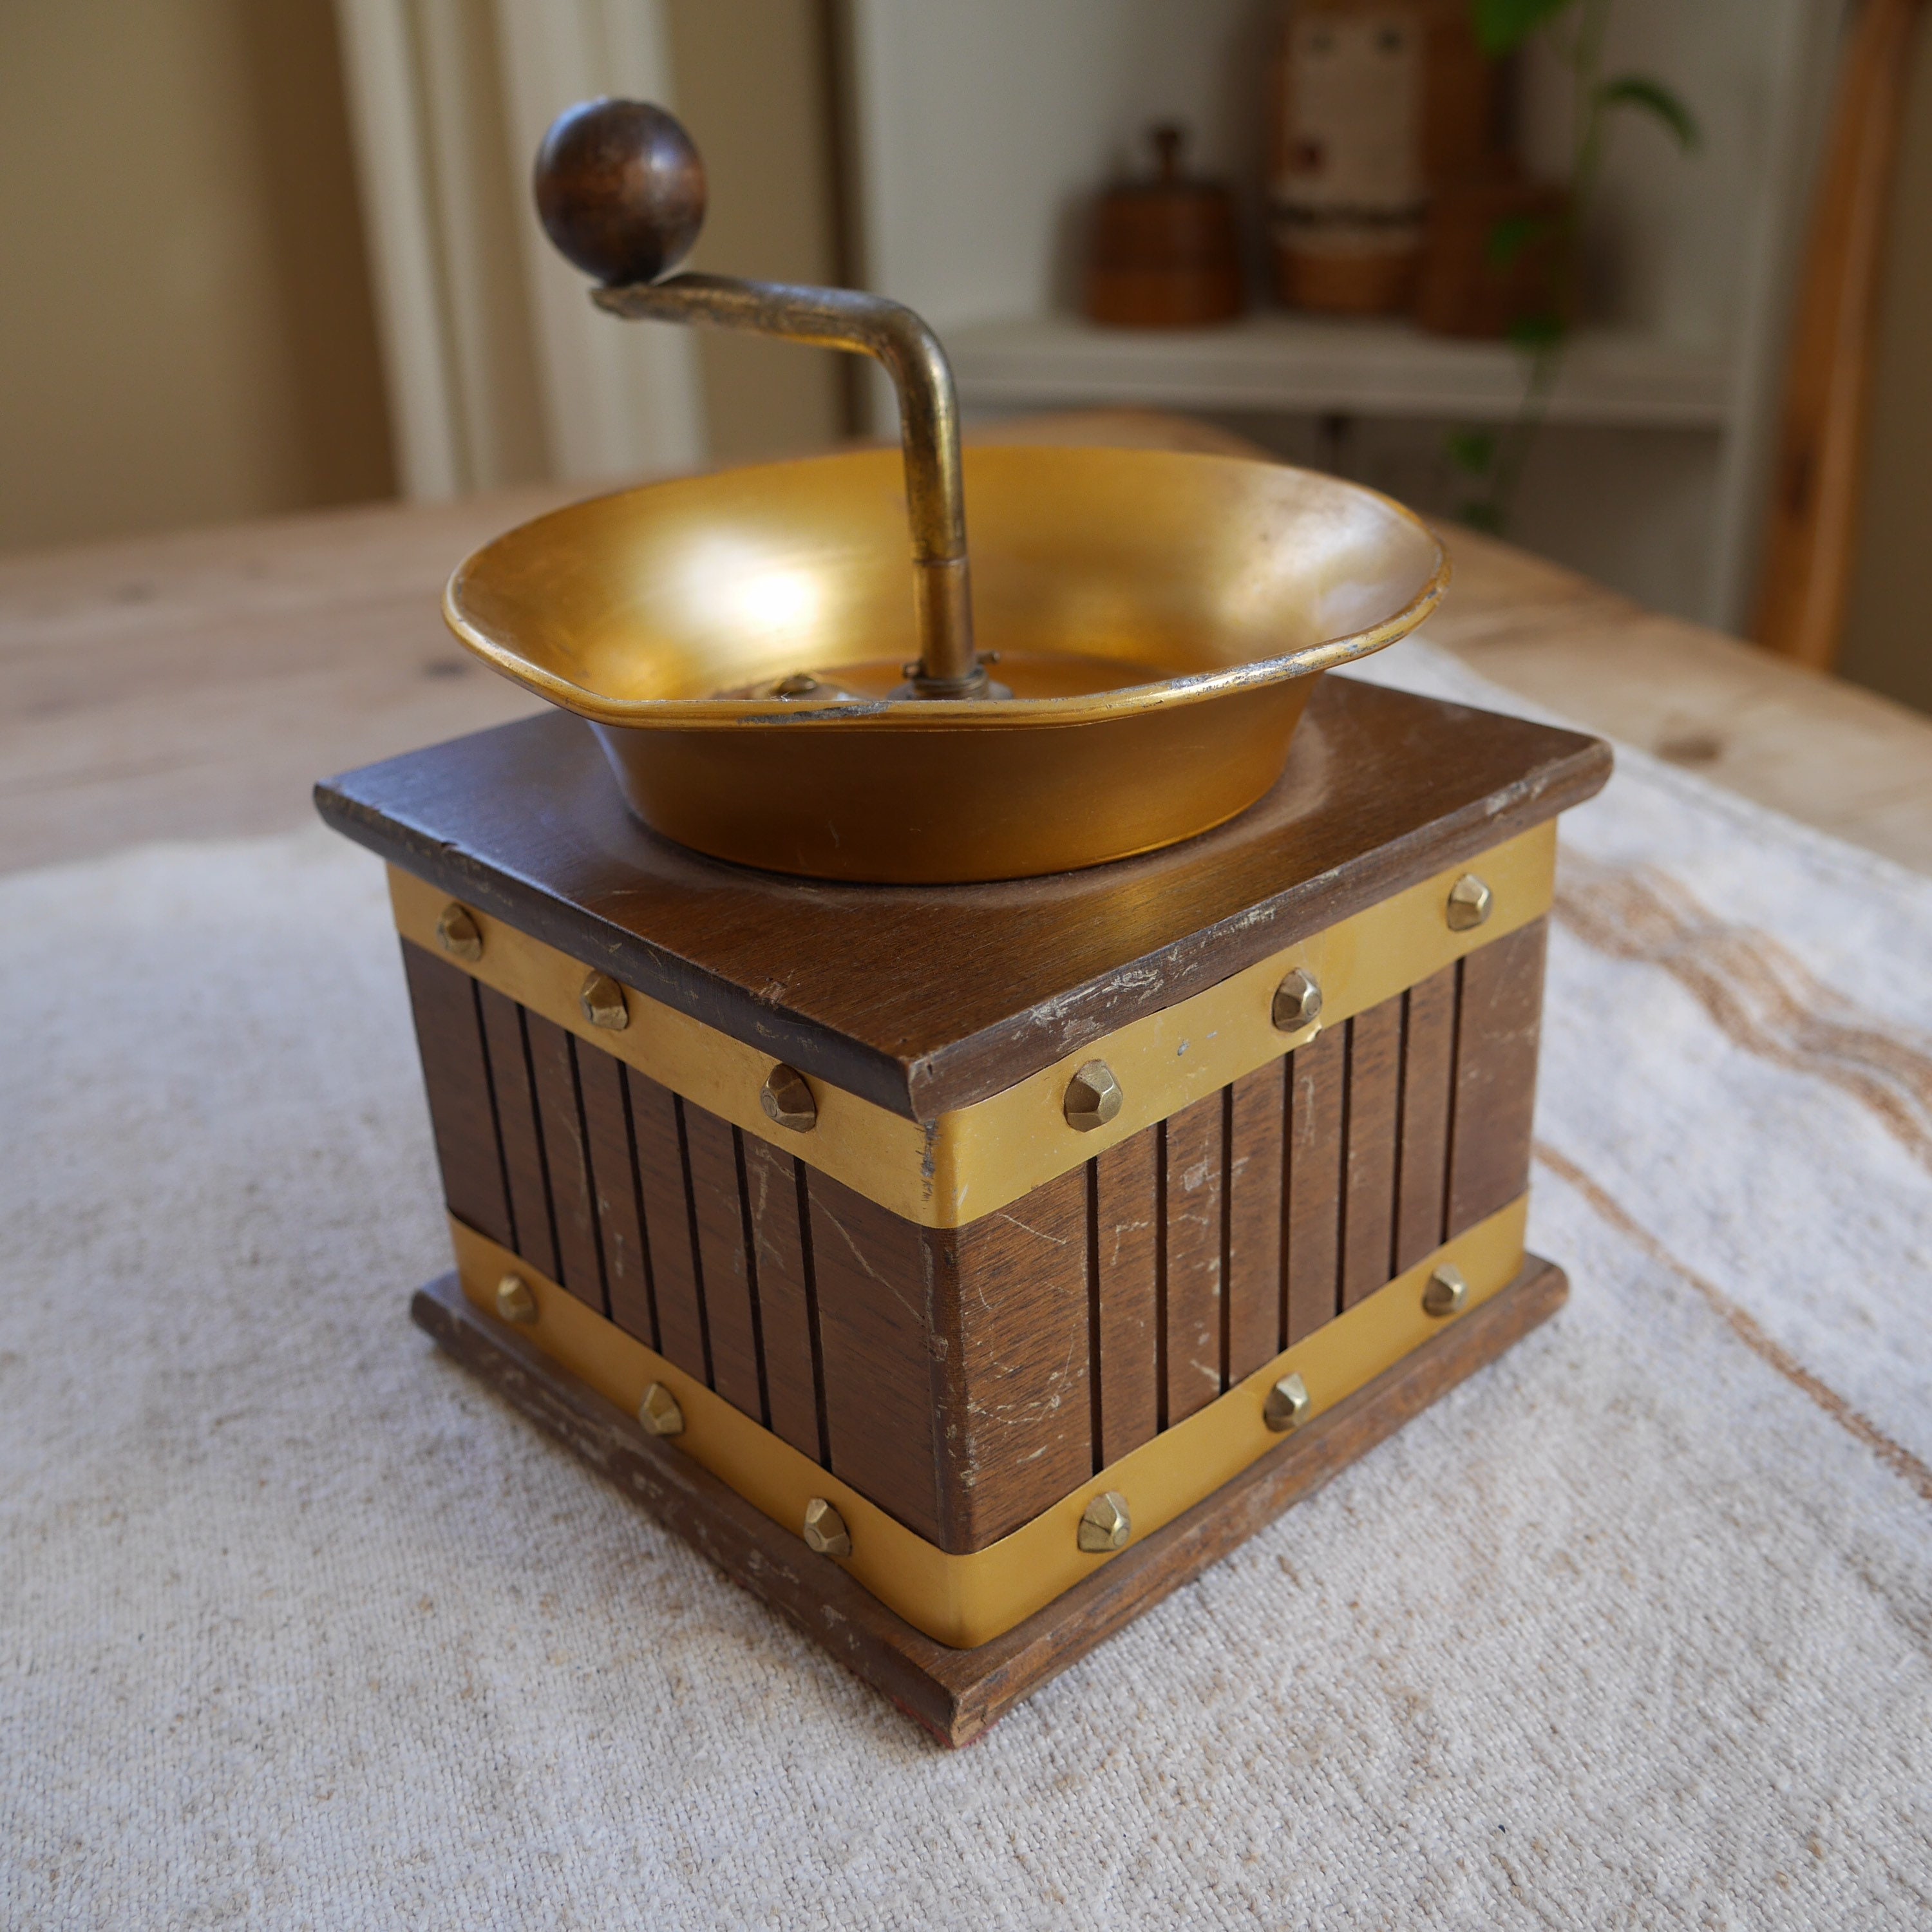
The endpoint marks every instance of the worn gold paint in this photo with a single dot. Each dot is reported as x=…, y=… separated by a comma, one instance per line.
x=1160, y=617
x=970, y=1599
x=982, y=1158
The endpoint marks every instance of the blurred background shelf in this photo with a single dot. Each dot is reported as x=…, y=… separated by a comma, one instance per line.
x=1301, y=364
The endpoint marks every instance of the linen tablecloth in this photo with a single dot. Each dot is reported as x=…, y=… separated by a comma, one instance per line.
x=298, y=1626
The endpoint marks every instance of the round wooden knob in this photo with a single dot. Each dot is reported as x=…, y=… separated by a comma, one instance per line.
x=619, y=190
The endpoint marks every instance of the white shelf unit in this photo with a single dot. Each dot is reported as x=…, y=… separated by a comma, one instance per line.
x=1304, y=364
x=982, y=129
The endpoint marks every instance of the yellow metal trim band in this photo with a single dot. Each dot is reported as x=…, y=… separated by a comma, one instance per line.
x=986, y=1156
x=965, y=1600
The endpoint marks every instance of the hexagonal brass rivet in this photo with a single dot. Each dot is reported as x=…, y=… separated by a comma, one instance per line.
x=1297, y=1001
x=1446, y=1292
x=1094, y=1097
x=460, y=936
x=659, y=1413
x=1470, y=902
x=1287, y=1405
x=603, y=1001
x=825, y=1529
x=514, y=1301
x=787, y=1100
x=1105, y=1525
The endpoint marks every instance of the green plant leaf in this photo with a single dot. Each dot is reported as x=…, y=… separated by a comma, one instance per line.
x=1503, y=26
x=1638, y=90
x=1512, y=234
x=1536, y=333
x=1473, y=450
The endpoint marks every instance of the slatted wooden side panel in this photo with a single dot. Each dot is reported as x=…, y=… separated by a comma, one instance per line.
x=1123, y=1297
x=1011, y=1369
x=775, y=1187
x=456, y=1075
x=965, y=1380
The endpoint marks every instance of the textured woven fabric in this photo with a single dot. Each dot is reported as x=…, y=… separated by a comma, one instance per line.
x=299, y=1627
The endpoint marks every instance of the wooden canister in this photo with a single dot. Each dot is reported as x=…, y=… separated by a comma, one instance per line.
x=1166, y=252
x=1376, y=102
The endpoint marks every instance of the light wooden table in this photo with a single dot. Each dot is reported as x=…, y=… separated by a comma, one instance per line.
x=195, y=686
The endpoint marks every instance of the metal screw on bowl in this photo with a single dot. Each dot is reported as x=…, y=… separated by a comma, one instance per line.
x=459, y=934
x=514, y=1301
x=1297, y=1001
x=1446, y=1292
x=1094, y=1097
x=1471, y=903
x=787, y=1100
x=1287, y=1405
x=659, y=1413
x=825, y=1529
x=1105, y=1525
x=602, y=999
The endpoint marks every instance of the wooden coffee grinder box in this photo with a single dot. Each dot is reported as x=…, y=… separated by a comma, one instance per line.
x=966, y=1095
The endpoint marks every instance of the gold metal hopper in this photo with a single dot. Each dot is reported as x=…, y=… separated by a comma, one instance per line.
x=777, y=683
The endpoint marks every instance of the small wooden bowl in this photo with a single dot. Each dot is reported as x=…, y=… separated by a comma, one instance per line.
x=1159, y=617
x=1166, y=252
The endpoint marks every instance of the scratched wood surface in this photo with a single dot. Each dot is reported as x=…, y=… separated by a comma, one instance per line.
x=923, y=1000
x=956, y=1694
x=965, y=1380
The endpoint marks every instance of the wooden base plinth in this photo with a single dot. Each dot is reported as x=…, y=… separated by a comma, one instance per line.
x=956, y=1693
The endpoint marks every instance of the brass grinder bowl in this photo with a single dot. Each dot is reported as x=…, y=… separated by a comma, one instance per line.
x=1160, y=617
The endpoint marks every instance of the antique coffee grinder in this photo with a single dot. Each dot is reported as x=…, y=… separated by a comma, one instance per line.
x=966, y=1093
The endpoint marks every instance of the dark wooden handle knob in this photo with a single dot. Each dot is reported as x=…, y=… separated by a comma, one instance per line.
x=619, y=190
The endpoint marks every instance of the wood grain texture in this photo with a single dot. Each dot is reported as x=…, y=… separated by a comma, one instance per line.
x=787, y=1304
x=613, y=1178
x=1810, y=541
x=456, y=1077
x=511, y=1083
x=1500, y=1021
x=967, y=1379
x=1010, y=1371
x=920, y=1001
x=659, y=1140
x=1368, y=1159
x=1191, y=1202
x=566, y=1160
x=1124, y=1186
x=875, y=1328
x=1256, y=1102
x=725, y=1274
x=1428, y=1075
x=956, y=1694
x=1315, y=1084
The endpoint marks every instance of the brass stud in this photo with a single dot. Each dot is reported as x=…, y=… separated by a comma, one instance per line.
x=514, y=1301
x=1445, y=1293
x=825, y=1529
x=659, y=1413
x=787, y=1099
x=460, y=936
x=1470, y=902
x=1105, y=1525
x=1094, y=1097
x=1287, y=1405
x=603, y=1001
x=1297, y=1001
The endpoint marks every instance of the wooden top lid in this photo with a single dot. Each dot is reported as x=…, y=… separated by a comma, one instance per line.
x=922, y=999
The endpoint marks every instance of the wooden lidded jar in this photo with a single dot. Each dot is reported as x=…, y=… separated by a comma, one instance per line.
x=1165, y=253
x=1376, y=104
